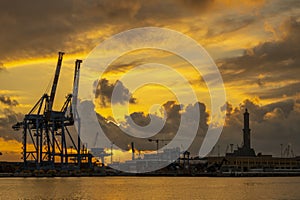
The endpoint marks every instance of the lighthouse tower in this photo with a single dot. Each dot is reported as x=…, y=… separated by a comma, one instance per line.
x=246, y=131
x=245, y=150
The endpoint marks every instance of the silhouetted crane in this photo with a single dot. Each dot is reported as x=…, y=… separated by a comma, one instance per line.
x=47, y=130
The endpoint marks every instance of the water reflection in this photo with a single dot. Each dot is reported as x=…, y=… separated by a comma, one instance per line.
x=150, y=188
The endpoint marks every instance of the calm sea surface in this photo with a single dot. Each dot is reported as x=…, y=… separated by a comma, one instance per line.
x=150, y=188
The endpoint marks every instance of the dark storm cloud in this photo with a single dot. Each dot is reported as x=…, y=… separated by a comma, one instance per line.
x=280, y=7
x=239, y=14
x=105, y=90
x=173, y=113
x=228, y=108
x=33, y=29
x=270, y=56
x=289, y=90
x=275, y=61
x=140, y=118
x=124, y=66
x=203, y=126
x=8, y=101
x=41, y=28
x=271, y=125
x=159, y=11
x=230, y=23
x=9, y=117
x=285, y=106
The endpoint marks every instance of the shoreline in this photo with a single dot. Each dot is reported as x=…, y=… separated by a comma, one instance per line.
x=221, y=175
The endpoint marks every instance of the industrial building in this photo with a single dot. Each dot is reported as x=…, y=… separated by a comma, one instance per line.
x=244, y=158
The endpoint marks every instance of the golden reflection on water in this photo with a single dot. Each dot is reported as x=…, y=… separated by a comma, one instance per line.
x=150, y=188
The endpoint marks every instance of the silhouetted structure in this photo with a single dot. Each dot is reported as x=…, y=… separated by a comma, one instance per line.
x=246, y=149
x=45, y=131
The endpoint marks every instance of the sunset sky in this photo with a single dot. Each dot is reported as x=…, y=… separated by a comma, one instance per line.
x=255, y=45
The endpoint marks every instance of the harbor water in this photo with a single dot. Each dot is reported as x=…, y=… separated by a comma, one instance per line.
x=281, y=188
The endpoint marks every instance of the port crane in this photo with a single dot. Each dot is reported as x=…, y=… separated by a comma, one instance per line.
x=45, y=131
x=100, y=152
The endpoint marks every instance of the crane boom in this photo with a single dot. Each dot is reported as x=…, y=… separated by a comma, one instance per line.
x=75, y=84
x=74, y=105
x=55, y=81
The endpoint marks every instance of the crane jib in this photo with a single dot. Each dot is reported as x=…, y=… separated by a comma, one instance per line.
x=55, y=81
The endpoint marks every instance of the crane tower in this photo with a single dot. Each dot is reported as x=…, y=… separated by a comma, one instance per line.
x=45, y=131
